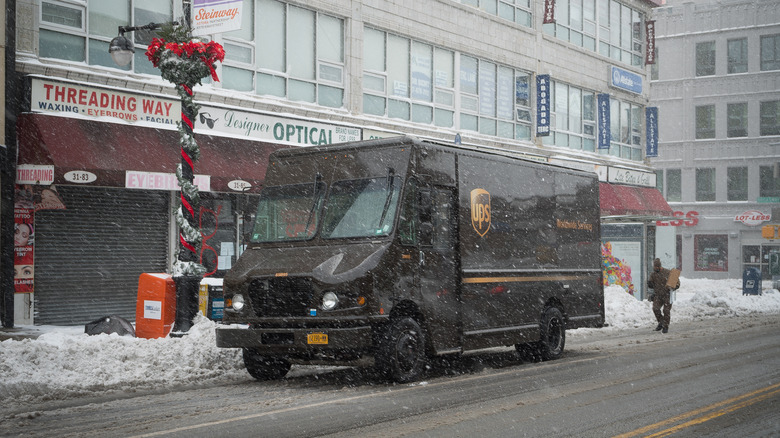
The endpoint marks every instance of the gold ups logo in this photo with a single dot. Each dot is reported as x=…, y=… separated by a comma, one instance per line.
x=480, y=211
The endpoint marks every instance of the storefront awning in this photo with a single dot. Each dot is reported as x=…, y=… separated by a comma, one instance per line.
x=632, y=202
x=110, y=150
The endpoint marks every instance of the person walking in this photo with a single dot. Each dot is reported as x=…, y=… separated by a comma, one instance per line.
x=661, y=295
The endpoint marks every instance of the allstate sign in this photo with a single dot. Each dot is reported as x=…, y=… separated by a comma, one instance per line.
x=626, y=80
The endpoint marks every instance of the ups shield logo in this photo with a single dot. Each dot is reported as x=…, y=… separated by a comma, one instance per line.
x=480, y=211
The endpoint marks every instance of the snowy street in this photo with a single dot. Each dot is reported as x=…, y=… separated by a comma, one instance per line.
x=721, y=345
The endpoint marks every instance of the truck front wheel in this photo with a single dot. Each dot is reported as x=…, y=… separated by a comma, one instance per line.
x=263, y=367
x=400, y=354
x=553, y=334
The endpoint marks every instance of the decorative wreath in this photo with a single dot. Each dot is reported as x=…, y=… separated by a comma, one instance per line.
x=187, y=62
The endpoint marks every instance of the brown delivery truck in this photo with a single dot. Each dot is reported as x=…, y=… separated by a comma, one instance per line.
x=391, y=251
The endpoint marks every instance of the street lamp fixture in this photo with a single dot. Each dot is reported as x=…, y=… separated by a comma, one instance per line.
x=121, y=48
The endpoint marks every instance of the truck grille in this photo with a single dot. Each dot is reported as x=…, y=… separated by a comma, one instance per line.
x=281, y=297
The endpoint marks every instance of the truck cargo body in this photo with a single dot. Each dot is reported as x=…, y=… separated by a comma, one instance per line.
x=390, y=251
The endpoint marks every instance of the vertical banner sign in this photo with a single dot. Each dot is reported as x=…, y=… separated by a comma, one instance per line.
x=215, y=16
x=24, y=238
x=549, y=12
x=651, y=124
x=604, y=121
x=650, y=49
x=30, y=197
x=542, y=105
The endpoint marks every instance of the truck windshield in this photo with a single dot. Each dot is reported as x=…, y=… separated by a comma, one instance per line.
x=288, y=212
x=361, y=208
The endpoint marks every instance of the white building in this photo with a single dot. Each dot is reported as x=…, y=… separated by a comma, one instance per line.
x=297, y=73
x=717, y=89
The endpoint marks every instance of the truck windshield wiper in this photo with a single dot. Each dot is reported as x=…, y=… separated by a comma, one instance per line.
x=390, y=186
x=317, y=183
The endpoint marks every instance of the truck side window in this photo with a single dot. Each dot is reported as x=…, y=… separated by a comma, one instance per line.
x=407, y=224
x=442, y=204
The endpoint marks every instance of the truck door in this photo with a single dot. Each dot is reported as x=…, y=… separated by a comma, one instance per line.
x=437, y=270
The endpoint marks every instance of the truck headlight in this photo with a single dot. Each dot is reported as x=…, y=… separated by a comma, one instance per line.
x=329, y=301
x=237, y=303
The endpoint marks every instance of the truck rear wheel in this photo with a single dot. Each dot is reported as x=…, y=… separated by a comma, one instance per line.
x=400, y=354
x=553, y=334
x=263, y=367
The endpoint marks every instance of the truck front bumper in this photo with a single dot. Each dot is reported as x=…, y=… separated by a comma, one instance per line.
x=295, y=340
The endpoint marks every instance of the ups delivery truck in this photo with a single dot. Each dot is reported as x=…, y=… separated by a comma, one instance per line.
x=388, y=252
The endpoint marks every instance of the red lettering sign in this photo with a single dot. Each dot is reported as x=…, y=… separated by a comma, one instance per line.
x=691, y=219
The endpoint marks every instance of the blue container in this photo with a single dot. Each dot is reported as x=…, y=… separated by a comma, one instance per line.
x=751, y=282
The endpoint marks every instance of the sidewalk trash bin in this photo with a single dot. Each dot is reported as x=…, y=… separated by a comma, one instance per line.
x=155, y=309
x=751, y=282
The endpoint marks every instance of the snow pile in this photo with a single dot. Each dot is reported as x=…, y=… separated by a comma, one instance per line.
x=64, y=362
x=695, y=300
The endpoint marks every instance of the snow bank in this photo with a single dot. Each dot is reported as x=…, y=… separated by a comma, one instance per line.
x=64, y=362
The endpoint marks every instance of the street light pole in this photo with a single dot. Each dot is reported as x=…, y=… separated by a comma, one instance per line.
x=183, y=61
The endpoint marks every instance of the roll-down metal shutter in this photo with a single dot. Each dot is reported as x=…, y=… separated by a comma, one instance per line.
x=88, y=257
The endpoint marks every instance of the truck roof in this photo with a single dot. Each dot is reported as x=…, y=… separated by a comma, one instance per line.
x=408, y=140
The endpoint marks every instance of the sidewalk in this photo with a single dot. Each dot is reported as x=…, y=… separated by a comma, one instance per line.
x=21, y=332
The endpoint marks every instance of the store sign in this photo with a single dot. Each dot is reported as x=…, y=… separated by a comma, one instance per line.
x=633, y=177
x=626, y=80
x=162, y=181
x=549, y=12
x=239, y=185
x=542, y=105
x=650, y=47
x=34, y=174
x=80, y=177
x=604, y=121
x=689, y=219
x=651, y=123
x=752, y=218
x=272, y=128
x=215, y=16
x=66, y=98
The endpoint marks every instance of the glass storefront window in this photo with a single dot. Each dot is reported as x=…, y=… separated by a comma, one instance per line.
x=711, y=252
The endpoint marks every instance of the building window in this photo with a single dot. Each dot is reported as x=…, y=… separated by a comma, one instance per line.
x=673, y=185
x=518, y=11
x=75, y=32
x=617, y=28
x=737, y=122
x=770, y=118
x=573, y=117
x=737, y=184
x=625, y=127
x=770, y=52
x=711, y=252
x=737, y=56
x=705, y=58
x=302, y=54
x=758, y=256
x=769, y=185
x=408, y=79
x=705, y=121
x=705, y=184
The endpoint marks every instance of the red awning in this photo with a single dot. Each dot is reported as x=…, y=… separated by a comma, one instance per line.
x=110, y=149
x=630, y=201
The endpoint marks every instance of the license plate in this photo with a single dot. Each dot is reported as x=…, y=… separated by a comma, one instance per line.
x=317, y=338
